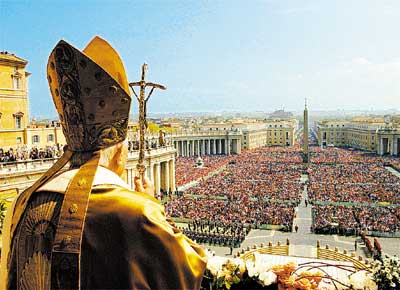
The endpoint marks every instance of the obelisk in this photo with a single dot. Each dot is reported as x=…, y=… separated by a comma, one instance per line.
x=305, y=134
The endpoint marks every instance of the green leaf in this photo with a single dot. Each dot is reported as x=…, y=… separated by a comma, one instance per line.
x=236, y=279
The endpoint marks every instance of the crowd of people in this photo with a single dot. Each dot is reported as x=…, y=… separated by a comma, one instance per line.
x=350, y=191
x=350, y=220
x=258, y=187
x=244, y=178
x=216, y=233
x=23, y=153
x=186, y=170
x=356, y=190
x=248, y=212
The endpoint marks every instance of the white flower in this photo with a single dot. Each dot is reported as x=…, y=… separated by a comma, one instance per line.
x=362, y=280
x=345, y=281
x=326, y=284
x=267, y=278
x=215, y=263
x=251, y=269
x=240, y=263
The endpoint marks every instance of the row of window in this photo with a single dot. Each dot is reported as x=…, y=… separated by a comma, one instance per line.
x=36, y=139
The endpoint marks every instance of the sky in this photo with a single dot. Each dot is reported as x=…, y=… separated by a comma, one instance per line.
x=224, y=55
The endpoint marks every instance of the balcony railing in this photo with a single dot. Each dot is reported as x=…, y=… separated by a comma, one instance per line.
x=26, y=165
x=44, y=164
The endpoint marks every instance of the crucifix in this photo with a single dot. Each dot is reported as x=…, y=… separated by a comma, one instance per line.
x=142, y=100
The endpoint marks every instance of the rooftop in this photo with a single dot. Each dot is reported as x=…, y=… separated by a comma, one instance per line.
x=6, y=56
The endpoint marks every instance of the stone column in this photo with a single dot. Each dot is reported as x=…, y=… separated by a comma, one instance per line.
x=395, y=146
x=229, y=147
x=380, y=145
x=392, y=146
x=203, y=146
x=166, y=176
x=198, y=147
x=176, y=143
x=214, y=147
x=171, y=171
x=157, y=178
x=151, y=173
x=209, y=146
x=187, y=148
x=219, y=146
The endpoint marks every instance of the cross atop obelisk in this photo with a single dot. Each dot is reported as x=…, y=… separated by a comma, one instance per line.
x=142, y=113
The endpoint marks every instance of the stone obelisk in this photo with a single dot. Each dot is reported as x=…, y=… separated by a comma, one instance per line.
x=305, y=134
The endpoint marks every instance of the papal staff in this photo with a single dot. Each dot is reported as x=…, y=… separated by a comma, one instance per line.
x=142, y=114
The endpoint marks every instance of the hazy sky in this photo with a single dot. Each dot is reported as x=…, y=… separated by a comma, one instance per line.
x=224, y=55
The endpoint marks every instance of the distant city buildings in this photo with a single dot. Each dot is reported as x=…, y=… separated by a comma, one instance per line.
x=281, y=114
x=190, y=136
x=377, y=134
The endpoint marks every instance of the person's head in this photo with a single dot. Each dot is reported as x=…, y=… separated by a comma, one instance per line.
x=91, y=94
x=113, y=158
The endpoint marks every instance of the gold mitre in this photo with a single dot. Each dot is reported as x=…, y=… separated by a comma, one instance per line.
x=91, y=94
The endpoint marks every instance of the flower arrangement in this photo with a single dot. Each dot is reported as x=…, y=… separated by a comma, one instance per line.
x=386, y=272
x=224, y=273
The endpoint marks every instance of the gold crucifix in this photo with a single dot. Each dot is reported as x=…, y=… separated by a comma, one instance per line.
x=142, y=114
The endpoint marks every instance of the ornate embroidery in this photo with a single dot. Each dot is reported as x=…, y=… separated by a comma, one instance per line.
x=73, y=110
x=94, y=109
x=36, y=274
x=35, y=240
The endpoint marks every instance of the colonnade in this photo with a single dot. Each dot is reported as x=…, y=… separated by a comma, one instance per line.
x=199, y=147
x=389, y=144
x=161, y=173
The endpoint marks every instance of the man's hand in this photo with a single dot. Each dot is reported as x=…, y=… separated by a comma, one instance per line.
x=146, y=186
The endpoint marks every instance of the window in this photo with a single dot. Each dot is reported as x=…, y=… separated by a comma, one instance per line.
x=18, y=122
x=16, y=83
x=35, y=139
x=50, y=138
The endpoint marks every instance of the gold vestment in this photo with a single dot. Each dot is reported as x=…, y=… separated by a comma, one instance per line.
x=128, y=243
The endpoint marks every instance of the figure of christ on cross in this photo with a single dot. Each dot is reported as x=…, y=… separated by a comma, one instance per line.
x=142, y=100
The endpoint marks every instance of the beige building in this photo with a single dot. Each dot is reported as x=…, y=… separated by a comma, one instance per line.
x=270, y=133
x=377, y=134
x=213, y=142
x=15, y=128
x=14, y=106
x=232, y=137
